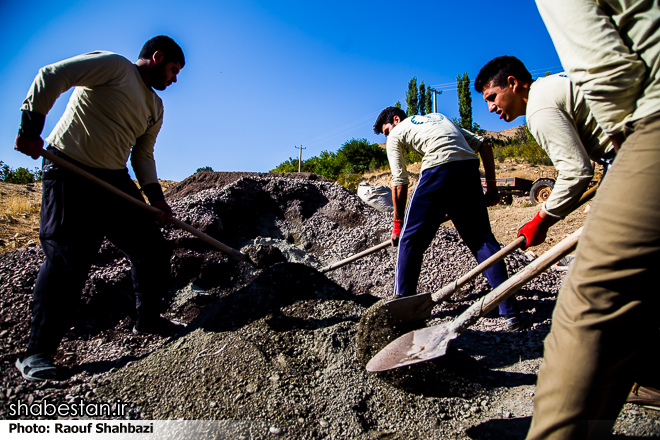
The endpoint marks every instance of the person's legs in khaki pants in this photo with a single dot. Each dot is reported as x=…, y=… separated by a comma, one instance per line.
x=605, y=324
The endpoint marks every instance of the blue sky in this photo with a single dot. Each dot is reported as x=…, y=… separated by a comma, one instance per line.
x=263, y=77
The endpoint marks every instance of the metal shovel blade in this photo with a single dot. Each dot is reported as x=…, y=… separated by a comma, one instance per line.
x=432, y=342
x=407, y=309
x=414, y=347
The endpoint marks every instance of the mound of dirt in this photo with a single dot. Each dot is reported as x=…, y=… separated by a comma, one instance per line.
x=217, y=179
x=276, y=344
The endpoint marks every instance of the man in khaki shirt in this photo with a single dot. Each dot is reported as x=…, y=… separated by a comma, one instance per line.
x=112, y=115
x=560, y=120
x=605, y=324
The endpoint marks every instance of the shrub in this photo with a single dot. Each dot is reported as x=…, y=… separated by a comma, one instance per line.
x=21, y=176
x=521, y=146
x=355, y=157
x=349, y=181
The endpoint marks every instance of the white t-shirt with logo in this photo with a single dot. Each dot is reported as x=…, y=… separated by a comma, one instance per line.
x=435, y=138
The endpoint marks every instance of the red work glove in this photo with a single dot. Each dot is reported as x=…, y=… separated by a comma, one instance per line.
x=165, y=216
x=31, y=147
x=535, y=231
x=396, y=231
x=492, y=194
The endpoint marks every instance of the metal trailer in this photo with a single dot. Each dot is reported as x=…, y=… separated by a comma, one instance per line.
x=538, y=190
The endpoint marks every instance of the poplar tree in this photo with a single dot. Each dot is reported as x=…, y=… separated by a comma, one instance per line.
x=464, y=102
x=411, y=97
x=429, y=101
x=422, y=99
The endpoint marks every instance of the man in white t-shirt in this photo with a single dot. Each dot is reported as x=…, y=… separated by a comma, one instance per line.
x=449, y=184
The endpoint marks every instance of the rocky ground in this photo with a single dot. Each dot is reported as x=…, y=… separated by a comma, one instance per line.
x=276, y=344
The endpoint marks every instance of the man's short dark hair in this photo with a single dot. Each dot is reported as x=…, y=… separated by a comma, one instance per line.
x=387, y=117
x=496, y=72
x=168, y=46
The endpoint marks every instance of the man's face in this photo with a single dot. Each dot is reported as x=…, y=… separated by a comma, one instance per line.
x=504, y=100
x=387, y=128
x=165, y=74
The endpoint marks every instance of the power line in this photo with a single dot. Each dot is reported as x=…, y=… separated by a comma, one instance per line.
x=449, y=87
x=366, y=120
x=343, y=129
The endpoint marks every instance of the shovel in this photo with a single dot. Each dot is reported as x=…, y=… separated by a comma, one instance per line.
x=420, y=307
x=364, y=253
x=352, y=258
x=186, y=227
x=432, y=342
x=378, y=247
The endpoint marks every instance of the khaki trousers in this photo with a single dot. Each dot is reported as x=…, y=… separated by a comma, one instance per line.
x=605, y=324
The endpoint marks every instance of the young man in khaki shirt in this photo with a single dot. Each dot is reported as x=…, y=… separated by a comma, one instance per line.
x=560, y=120
x=113, y=114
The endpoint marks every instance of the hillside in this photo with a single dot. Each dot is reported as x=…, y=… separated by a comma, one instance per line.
x=504, y=134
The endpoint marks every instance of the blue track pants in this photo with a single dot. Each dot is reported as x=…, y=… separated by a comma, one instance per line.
x=453, y=188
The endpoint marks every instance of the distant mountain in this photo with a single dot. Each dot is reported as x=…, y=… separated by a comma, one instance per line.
x=504, y=134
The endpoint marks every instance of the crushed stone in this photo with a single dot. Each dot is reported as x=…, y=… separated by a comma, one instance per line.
x=276, y=344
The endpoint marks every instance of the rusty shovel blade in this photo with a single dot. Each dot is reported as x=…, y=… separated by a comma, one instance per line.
x=414, y=347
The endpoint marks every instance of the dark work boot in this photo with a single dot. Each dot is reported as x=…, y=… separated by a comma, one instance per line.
x=150, y=321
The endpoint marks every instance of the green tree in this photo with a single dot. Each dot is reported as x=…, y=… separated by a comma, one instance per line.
x=19, y=176
x=464, y=102
x=411, y=97
x=476, y=129
x=398, y=104
x=422, y=99
x=289, y=166
x=428, y=102
x=548, y=73
x=206, y=169
x=355, y=157
x=361, y=156
x=328, y=165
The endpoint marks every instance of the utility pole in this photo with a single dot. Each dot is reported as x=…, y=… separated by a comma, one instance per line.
x=300, y=156
x=435, y=100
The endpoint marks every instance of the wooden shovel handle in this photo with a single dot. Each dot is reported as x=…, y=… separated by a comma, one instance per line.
x=484, y=305
x=447, y=291
x=531, y=271
x=352, y=258
x=68, y=165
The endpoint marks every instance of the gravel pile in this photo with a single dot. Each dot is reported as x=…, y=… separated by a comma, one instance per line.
x=275, y=343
